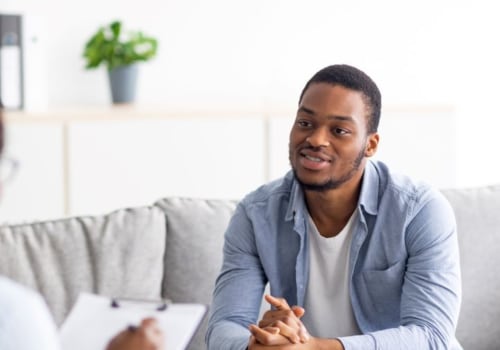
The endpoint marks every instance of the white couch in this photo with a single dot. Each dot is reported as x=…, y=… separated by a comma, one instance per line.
x=173, y=249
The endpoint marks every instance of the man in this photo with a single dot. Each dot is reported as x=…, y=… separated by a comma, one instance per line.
x=356, y=257
x=26, y=323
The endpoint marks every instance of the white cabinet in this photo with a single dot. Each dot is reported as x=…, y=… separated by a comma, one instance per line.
x=37, y=189
x=91, y=163
x=135, y=162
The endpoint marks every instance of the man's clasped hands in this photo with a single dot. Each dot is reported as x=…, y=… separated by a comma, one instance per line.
x=280, y=326
x=282, y=329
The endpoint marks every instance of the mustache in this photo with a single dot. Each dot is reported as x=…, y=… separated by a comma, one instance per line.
x=312, y=148
x=315, y=149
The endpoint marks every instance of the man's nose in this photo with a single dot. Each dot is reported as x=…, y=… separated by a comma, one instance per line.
x=319, y=138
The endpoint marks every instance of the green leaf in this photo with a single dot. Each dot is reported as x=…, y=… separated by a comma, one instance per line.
x=116, y=29
x=109, y=47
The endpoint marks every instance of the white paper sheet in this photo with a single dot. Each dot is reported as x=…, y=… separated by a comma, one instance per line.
x=93, y=322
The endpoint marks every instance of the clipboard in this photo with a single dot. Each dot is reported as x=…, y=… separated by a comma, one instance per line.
x=95, y=320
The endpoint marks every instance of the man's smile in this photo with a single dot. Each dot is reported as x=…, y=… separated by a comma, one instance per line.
x=314, y=160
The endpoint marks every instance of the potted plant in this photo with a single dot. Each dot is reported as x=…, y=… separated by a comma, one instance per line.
x=120, y=52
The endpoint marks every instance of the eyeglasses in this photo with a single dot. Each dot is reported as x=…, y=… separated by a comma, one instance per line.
x=8, y=169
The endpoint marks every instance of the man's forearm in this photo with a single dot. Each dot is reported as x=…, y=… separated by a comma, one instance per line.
x=312, y=344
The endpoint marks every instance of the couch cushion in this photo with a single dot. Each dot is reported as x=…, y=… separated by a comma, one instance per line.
x=477, y=212
x=120, y=254
x=195, y=229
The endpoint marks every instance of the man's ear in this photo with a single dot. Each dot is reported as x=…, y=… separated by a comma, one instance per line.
x=371, y=144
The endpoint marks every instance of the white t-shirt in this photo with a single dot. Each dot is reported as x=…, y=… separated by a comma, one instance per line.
x=25, y=321
x=327, y=303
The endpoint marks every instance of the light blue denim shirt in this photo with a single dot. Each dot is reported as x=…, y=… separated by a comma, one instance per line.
x=404, y=266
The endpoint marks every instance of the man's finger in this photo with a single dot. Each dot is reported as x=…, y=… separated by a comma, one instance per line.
x=288, y=332
x=278, y=303
x=298, y=311
x=304, y=334
x=262, y=336
x=288, y=316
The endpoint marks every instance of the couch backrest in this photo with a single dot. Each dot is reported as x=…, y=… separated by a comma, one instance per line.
x=119, y=254
x=174, y=248
x=193, y=257
x=477, y=211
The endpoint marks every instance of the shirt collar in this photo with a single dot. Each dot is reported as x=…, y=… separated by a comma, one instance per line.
x=368, y=198
x=297, y=202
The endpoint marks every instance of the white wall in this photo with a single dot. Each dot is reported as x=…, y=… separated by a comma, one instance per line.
x=256, y=55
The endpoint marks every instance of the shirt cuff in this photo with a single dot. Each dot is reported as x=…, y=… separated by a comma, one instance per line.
x=365, y=342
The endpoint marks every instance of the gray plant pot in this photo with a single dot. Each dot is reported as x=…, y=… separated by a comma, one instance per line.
x=123, y=81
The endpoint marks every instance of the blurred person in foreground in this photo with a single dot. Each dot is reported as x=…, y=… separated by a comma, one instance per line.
x=26, y=323
x=356, y=256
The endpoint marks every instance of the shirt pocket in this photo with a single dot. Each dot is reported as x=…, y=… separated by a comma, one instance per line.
x=384, y=288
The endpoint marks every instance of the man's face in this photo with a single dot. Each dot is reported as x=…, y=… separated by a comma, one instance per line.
x=329, y=140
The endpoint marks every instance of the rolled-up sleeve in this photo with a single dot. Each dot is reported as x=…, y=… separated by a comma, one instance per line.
x=431, y=290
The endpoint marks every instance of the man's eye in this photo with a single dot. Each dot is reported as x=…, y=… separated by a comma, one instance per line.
x=303, y=124
x=339, y=131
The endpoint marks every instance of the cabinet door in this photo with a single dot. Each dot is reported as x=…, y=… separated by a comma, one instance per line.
x=118, y=163
x=37, y=189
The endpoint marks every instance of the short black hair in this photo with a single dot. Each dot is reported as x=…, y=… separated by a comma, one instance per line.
x=355, y=79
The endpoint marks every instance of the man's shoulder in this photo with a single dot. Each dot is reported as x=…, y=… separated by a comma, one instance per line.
x=401, y=186
x=278, y=189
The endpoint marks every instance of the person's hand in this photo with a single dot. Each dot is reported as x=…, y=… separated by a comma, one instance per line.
x=148, y=336
x=280, y=326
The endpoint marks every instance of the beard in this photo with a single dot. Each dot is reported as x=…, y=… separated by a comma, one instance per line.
x=331, y=183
